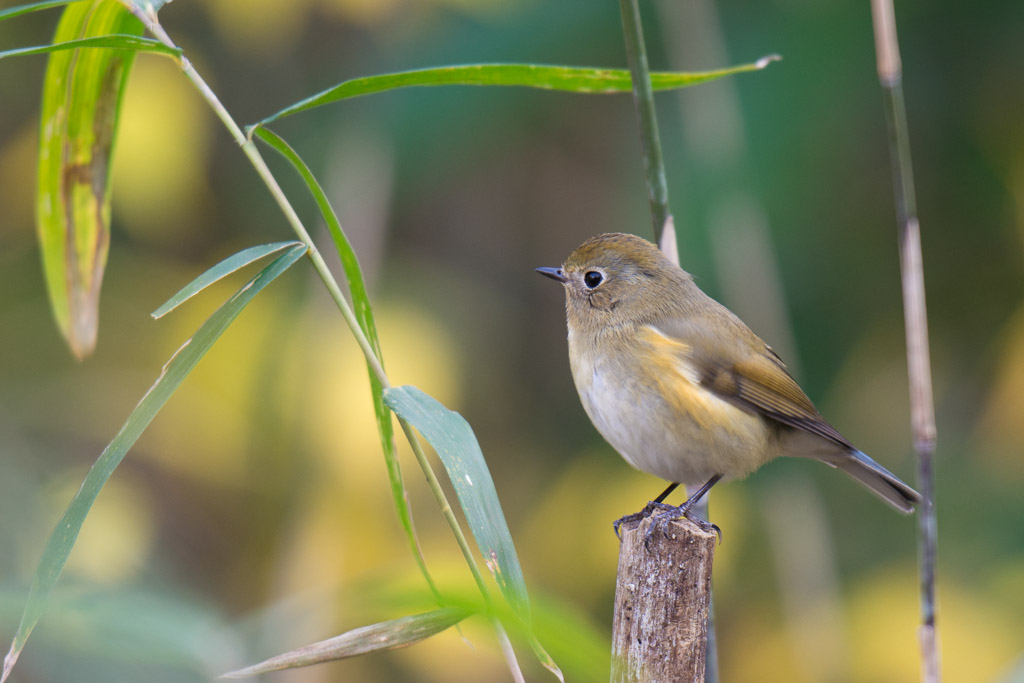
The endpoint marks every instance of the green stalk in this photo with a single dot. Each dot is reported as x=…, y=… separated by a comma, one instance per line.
x=922, y=405
x=643, y=98
x=657, y=193
x=250, y=150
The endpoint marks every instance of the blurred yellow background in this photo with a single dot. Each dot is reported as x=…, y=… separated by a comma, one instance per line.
x=255, y=514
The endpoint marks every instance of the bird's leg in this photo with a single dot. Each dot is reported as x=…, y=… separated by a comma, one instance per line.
x=664, y=494
x=655, y=504
x=670, y=513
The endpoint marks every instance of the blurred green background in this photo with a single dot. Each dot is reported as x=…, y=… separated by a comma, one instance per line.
x=254, y=515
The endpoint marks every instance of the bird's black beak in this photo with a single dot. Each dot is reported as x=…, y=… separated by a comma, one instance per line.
x=553, y=273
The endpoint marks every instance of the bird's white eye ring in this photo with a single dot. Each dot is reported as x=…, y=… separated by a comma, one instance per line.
x=592, y=279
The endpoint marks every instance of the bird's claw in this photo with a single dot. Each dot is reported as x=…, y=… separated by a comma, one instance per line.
x=641, y=515
x=671, y=513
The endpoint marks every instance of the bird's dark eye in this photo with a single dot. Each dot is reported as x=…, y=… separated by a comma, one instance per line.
x=592, y=278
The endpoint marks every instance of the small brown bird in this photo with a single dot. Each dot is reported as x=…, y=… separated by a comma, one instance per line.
x=680, y=386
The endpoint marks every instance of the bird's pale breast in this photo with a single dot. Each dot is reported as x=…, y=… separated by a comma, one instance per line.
x=651, y=408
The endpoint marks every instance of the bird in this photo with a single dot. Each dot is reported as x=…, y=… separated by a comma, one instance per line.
x=681, y=387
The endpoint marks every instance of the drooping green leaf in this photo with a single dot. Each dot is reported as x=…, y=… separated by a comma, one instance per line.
x=456, y=445
x=220, y=271
x=61, y=541
x=564, y=78
x=386, y=635
x=364, y=315
x=113, y=41
x=78, y=126
x=18, y=10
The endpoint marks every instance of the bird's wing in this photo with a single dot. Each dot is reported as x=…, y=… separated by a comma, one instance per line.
x=762, y=383
x=756, y=380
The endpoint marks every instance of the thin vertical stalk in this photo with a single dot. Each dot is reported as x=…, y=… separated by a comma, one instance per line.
x=922, y=407
x=643, y=98
x=661, y=216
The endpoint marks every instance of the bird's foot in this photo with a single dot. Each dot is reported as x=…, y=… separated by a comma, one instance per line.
x=670, y=513
x=648, y=510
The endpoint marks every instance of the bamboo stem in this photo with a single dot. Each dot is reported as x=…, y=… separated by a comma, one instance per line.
x=643, y=99
x=665, y=237
x=922, y=406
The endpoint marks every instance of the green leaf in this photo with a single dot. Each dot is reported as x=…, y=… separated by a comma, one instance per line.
x=58, y=547
x=456, y=445
x=18, y=10
x=113, y=41
x=219, y=271
x=565, y=78
x=386, y=635
x=364, y=315
x=78, y=125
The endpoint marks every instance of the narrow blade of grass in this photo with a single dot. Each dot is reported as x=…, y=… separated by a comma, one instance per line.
x=456, y=445
x=114, y=41
x=61, y=541
x=386, y=635
x=545, y=77
x=220, y=271
x=364, y=315
x=18, y=10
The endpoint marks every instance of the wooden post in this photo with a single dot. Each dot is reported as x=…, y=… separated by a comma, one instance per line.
x=662, y=601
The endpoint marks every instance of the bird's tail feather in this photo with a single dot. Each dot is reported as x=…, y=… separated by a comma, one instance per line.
x=879, y=480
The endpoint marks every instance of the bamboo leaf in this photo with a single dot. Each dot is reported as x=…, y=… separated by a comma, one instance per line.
x=364, y=315
x=113, y=41
x=564, y=78
x=386, y=635
x=78, y=126
x=456, y=445
x=61, y=541
x=220, y=271
x=18, y=10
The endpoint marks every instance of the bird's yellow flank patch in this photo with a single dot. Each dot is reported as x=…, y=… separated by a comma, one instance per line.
x=668, y=365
